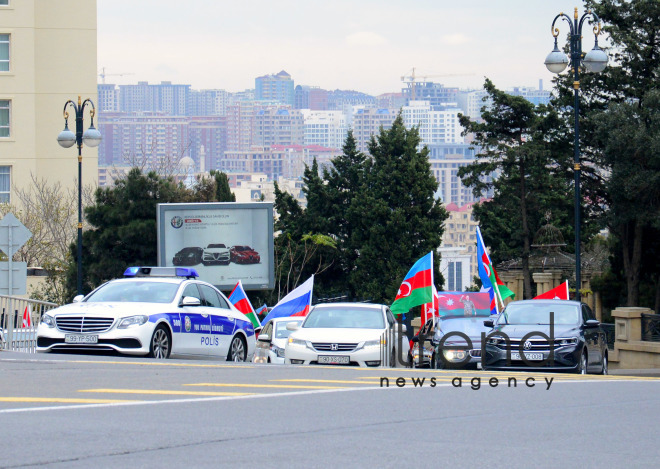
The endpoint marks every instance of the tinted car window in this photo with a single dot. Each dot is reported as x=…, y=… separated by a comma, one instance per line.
x=210, y=297
x=192, y=290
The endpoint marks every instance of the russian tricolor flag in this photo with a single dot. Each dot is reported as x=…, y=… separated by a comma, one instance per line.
x=296, y=303
x=238, y=298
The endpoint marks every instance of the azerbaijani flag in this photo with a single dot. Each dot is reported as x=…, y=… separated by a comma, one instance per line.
x=262, y=310
x=489, y=278
x=296, y=303
x=417, y=286
x=560, y=292
x=238, y=298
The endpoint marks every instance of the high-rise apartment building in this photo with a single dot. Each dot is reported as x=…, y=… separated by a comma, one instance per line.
x=325, y=128
x=38, y=38
x=208, y=103
x=435, y=126
x=278, y=88
x=446, y=159
x=166, y=97
x=311, y=97
x=343, y=100
x=366, y=122
x=435, y=93
x=108, y=98
x=277, y=125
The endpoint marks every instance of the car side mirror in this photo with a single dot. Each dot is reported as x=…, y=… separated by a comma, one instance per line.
x=190, y=301
x=78, y=298
x=263, y=338
x=489, y=323
x=292, y=326
x=404, y=329
x=592, y=323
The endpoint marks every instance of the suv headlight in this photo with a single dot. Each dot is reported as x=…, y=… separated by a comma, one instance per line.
x=454, y=355
x=48, y=320
x=132, y=321
x=568, y=341
x=495, y=340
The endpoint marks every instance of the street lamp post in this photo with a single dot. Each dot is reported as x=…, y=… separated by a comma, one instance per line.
x=91, y=137
x=594, y=61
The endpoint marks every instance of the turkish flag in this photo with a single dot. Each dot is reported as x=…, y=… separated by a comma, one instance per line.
x=430, y=310
x=558, y=293
x=27, y=317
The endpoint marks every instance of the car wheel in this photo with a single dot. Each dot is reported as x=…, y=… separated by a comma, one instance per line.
x=237, y=350
x=582, y=368
x=393, y=359
x=433, y=364
x=161, y=343
x=604, y=371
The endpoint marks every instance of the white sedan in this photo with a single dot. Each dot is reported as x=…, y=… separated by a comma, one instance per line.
x=357, y=334
x=154, y=311
x=272, y=340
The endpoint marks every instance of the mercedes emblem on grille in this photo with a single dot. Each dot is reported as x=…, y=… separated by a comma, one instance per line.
x=334, y=347
x=528, y=345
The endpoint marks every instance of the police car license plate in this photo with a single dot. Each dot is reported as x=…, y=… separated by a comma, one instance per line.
x=80, y=339
x=528, y=356
x=334, y=359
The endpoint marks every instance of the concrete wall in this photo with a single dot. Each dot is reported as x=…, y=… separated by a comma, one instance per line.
x=52, y=59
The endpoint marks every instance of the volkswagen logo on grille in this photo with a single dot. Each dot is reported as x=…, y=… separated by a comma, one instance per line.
x=334, y=347
x=528, y=345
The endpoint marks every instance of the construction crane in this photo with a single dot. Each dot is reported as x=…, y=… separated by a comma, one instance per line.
x=413, y=79
x=102, y=74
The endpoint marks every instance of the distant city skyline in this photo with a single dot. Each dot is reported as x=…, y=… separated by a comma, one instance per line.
x=363, y=45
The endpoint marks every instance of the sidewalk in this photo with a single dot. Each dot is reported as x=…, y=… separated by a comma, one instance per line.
x=649, y=372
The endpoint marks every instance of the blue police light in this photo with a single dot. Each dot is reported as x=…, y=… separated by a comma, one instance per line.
x=187, y=272
x=131, y=272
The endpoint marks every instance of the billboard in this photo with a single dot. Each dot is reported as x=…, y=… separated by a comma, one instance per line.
x=224, y=241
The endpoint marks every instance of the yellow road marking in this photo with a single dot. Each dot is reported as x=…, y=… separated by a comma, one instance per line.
x=166, y=392
x=62, y=400
x=277, y=386
x=339, y=381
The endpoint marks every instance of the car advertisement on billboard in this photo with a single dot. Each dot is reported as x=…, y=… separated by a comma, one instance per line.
x=224, y=241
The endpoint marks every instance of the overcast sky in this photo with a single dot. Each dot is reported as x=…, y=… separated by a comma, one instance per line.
x=364, y=45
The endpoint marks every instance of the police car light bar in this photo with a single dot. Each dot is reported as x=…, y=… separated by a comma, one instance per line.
x=186, y=272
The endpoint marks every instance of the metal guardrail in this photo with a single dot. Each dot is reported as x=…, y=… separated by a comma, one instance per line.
x=16, y=332
x=609, y=334
x=651, y=327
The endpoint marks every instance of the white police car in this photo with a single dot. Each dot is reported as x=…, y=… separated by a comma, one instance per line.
x=154, y=311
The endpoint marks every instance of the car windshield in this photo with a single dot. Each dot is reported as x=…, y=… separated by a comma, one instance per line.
x=135, y=292
x=211, y=246
x=281, y=332
x=529, y=313
x=240, y=248
x=345, y=317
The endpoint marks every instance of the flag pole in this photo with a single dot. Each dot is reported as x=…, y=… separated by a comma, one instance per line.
x=495, y=287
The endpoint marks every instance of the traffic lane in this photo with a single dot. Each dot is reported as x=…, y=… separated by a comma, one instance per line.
x=94, y=380
x=352, y=428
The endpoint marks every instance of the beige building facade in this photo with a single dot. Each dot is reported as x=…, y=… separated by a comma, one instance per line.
x=47, y=56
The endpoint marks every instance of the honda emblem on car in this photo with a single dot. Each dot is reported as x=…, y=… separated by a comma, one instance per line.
x=334, y=347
